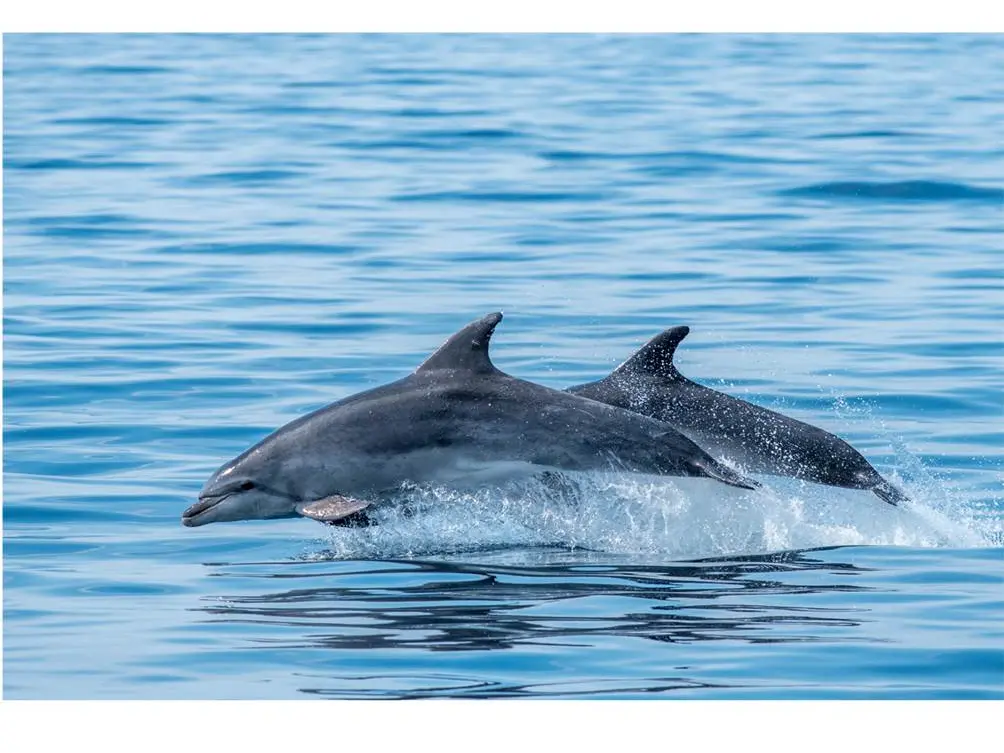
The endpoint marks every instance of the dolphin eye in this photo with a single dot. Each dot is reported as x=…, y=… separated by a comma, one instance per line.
x=246, y=485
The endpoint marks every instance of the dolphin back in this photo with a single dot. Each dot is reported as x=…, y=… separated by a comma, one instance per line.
x=759, y=439
x=458, y=418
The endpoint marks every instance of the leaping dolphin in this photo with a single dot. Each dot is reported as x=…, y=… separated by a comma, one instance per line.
x=757, y=439
x=456, y=419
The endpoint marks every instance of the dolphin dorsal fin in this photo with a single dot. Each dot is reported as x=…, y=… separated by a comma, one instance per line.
x=467, y=350
x=655, y=358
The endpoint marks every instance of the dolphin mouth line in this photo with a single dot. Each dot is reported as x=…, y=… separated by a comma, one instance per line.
x=191, y=516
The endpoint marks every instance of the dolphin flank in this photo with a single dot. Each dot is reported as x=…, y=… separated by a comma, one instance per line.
x=456, y=420
x=757, y=439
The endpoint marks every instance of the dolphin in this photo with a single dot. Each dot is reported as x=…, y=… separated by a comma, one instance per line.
x=756, y=439
x=457, y=420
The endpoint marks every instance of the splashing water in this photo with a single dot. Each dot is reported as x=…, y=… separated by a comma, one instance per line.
x=208, y=278
x=679, y=519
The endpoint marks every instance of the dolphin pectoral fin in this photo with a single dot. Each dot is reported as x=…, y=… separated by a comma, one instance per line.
x=889, y=493
x=331, y=509
x=726, y=475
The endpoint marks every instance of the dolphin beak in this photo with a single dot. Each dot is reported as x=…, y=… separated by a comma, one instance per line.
x=190, y=517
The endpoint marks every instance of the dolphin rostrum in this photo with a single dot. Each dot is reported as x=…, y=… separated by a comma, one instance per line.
x=756, y=439
x=457, y=419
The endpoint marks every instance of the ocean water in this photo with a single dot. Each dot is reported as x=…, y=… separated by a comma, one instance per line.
x=207, y=236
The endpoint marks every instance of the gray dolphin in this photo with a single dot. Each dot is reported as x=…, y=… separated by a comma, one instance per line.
x=757, y=439
x=456, y=420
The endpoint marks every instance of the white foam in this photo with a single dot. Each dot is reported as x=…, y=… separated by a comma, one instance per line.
x=674, y=518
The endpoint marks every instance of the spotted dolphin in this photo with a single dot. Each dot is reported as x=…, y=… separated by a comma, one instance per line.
x=456, y=420
x=756, y=439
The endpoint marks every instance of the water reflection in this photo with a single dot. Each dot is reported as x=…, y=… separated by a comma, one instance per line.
x=438, y=605
x=449, y=686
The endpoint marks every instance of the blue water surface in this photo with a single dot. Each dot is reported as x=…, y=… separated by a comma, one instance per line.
x=207, y=236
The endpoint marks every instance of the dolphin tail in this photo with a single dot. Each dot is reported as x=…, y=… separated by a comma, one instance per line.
x=889, y=493
x=726, y=475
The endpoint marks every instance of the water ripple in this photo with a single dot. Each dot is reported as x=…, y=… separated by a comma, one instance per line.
x=910, y=190
x=206, y=236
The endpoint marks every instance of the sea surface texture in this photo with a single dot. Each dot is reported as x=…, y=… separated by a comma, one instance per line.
x=208, y=236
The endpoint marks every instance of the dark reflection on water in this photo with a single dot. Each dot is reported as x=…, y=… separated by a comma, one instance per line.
x=469, y=606
x=445, y=685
